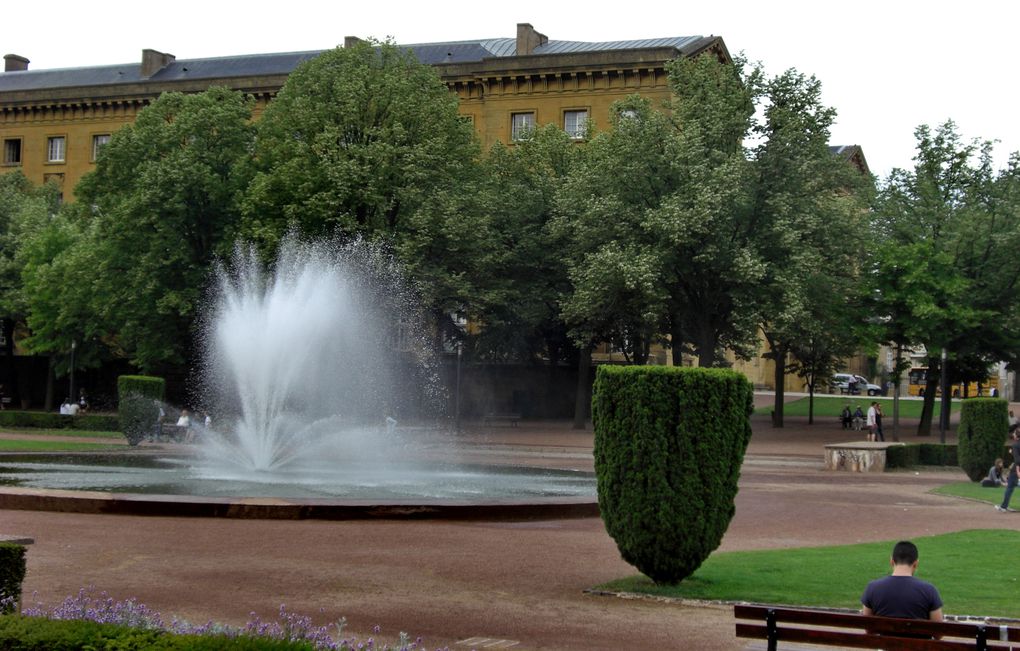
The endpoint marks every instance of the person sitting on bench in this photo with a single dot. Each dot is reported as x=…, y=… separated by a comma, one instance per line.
x=900, y=594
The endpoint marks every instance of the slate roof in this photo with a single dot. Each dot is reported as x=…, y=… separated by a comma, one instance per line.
x=253, y=65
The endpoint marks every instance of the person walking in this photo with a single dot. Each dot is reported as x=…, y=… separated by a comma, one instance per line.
x=879, y=436
x=1013, y=475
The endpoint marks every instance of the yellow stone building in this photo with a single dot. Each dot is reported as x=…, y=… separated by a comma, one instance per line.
x=53, y=122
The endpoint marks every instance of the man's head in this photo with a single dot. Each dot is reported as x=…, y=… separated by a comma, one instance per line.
x=904, y=554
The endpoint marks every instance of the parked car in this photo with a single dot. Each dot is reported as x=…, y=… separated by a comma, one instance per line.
x=841, y=382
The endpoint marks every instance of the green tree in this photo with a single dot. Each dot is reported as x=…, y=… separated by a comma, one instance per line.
x=165, y=197
x=365, y=141
x=809, y=209
x=23, y=208
x=524, y=271
x=951, y=226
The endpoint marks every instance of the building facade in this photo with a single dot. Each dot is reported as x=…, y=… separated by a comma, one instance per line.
x=53, y=122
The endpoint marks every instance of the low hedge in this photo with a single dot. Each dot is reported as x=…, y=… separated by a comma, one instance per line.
x=19, y=633
x=49, y=420
x=920, y=454
x=12, y=574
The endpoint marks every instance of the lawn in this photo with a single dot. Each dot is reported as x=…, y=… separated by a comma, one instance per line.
x=830, y=406
x=19, y=445
x=973, y=491
x=84, y=433
x=973, y=570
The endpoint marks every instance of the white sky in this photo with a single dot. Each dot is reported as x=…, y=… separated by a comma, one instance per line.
x=886, y=66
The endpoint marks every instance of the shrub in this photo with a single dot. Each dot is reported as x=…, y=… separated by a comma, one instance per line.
x=12, y=574
x=39, y=634
x=920, y=454
x=983, y=426
x=669, y=443
x=137, y=397
x=47, y=420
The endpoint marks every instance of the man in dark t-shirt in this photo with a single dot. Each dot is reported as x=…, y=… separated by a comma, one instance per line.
x=900, y=594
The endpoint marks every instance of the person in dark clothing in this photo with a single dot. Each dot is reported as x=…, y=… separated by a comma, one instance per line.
x=1013, y=475
x=901, y=594
x=846, y=417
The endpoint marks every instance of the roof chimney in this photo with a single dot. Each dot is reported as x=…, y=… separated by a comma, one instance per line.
x=14, y=63
x=351, y=41
x=528, y=39
x=153, y=62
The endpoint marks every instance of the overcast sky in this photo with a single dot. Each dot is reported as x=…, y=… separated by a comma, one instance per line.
x=886, y=66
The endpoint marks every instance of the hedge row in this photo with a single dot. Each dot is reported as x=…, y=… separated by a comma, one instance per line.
x=12, y=574
x=669, y=443
x=48, y=420
x=19, y=633
x=920, y=454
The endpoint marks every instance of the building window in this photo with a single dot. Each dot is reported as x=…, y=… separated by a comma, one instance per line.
x=55, y=149
x=521, y=125
x=575, y=123
x=98, y=142
x=12, y=151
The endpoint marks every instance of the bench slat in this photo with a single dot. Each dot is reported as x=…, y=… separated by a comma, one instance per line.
x=857, y=640
x=886, y=625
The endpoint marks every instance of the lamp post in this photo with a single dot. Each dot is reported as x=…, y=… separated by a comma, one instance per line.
x=456, y=423
x=74, y=344
x=944, y=413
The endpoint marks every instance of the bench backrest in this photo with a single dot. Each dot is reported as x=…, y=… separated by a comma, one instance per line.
x=777, y=624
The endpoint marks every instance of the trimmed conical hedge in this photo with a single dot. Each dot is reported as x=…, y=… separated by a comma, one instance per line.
x=669, y=443
x=984, y=427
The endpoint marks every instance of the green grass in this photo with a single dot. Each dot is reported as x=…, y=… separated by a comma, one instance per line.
x=975, y=572
x=973, y=491
x=827, y=406
x=9, y=445
x=62, y=432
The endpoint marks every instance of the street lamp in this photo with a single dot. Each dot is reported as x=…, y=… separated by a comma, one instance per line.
x=944, y=413
x=74, y=344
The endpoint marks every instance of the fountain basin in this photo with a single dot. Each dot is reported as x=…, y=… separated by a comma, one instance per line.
x=144, y=484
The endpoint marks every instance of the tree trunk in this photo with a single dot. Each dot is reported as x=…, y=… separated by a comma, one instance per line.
x=931, y=383
x=581, y=400
x=779, y=378
x=676, y=340
x=811, y=403
x=706, y=348
x=51, y=381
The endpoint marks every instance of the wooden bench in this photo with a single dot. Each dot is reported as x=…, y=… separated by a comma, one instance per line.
x=172, y=432
x=776, y=624
x=510, y=416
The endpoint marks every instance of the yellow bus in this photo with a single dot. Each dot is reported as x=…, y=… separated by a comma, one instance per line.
x=916, y=385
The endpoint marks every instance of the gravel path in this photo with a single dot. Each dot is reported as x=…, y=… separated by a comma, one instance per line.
x=453, y=581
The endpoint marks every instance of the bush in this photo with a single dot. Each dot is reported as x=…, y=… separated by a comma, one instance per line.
x=920, y=454
x=40, y=634
x=138, y=397
x=12, y=574
x=47, y=420
x=669, y=443
x=984, y=423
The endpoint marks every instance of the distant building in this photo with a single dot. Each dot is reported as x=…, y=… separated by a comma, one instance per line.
x=53, y=122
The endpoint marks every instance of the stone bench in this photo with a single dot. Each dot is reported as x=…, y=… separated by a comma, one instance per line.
x=857, y=456
x=17, y=540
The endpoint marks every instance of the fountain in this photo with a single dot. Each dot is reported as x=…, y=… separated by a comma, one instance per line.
x=311, y=372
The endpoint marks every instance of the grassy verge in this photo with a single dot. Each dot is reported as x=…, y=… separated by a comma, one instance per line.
x=830, y=407
x=8, y=445
x=62, y=432
x=962, y=566
x=973, y=491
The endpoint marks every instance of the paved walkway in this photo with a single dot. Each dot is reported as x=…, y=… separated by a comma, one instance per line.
x=453, y=581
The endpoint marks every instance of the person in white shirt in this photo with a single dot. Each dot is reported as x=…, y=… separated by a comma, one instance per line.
x=872, y=421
